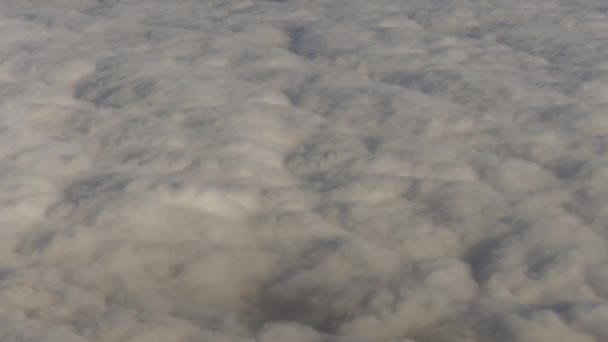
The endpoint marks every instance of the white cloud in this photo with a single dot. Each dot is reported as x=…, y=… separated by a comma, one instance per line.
x=306, y=171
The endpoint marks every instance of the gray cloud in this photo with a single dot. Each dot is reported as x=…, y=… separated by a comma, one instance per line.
x=306, y=171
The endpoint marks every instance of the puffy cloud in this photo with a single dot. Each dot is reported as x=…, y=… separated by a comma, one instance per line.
x=303, y=170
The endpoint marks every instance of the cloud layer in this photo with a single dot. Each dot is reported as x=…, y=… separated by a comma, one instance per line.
x=303, y=171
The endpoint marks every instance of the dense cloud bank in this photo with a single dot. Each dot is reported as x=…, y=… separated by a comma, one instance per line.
x=303, y=170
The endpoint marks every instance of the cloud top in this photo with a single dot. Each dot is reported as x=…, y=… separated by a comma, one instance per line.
x=303, y=171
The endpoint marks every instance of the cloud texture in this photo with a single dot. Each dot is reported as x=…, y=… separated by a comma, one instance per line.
x=303, y=171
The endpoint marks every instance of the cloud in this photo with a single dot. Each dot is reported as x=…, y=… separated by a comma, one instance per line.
x=306, y=171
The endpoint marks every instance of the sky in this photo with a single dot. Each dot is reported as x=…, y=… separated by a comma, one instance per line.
x=303, y=171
